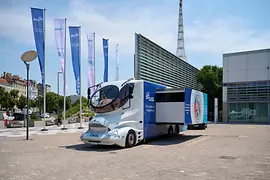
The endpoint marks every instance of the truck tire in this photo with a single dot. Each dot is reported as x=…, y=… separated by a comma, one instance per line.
x=170, y=131
x=130, y=139
x=203, y=126
x=176, y=131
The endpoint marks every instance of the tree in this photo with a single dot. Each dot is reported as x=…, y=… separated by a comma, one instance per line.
x=21, y=103
x=14, y=93
x=32, y=103
x=2, y=96
x=61, y=103
x=8, y=101
x=51, y=102
x=210, y=77
x=84, y=100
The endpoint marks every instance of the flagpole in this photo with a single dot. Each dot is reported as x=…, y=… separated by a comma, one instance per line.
x=80, y=79
x=44, y=85
x=94, y=58
x=116, y=77
x=65, y=44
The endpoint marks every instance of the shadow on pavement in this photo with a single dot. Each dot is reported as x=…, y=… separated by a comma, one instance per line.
x=97, y=148
x=159, y=141
x=166, y=140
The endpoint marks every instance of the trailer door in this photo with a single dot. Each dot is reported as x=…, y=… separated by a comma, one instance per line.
x=170, y=107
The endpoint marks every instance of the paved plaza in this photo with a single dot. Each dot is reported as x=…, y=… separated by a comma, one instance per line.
x=21, y=132
x=220, y=152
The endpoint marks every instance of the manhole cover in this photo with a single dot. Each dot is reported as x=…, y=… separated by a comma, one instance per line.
x=227, y=157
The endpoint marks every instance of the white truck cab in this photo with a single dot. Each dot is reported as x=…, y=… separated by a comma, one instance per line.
x=125, y=114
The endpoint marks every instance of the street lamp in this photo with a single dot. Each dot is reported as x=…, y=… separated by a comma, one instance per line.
x=26, y=58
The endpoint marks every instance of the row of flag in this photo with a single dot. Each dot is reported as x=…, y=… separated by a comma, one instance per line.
x=38, y=20
x=60, y=30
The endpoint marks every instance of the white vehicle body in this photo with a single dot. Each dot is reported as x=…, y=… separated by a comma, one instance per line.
x=46, y=115
x=130, y=114
x=4, y=116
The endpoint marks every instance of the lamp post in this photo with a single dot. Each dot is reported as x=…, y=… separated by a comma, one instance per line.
x=28, y=57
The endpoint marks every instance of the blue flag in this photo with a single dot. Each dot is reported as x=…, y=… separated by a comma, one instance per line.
x=75, y=43
x=38, y=28
x=105, y=50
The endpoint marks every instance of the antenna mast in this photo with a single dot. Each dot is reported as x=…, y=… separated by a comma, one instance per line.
x=180, y=52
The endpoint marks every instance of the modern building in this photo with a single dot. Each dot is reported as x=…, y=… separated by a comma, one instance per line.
x=246, y=86
x=156, y=64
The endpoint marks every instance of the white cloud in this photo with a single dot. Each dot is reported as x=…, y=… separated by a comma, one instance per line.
x=214, y=37
x=18, y=26
x=224, y=35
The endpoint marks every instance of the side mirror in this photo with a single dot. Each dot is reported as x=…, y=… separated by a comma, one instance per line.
x=88, y=93
x=130, y=90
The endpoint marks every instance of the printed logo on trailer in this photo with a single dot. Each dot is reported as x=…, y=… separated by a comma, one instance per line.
x=74, y=35
x=59, y=29
x=149, y=98
x=196, y=107
x=38, y=19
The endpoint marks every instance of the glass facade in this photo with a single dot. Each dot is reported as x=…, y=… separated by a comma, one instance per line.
x=248, y=102
x=154, y=63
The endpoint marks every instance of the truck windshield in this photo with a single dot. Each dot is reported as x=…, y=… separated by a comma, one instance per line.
x=109, y=98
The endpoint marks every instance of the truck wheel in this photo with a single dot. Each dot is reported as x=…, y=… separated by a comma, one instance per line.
x=203, y=126
x=170, y=131
x=130, y=139
x=176, y=131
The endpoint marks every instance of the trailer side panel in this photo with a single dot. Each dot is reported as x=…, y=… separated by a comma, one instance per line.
x=195, y=107
x=150, y=126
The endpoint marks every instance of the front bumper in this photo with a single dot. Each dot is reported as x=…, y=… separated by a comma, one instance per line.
x=102, y=139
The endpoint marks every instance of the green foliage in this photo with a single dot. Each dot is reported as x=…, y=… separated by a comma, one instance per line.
x=33, y=117
x=2, y=95
x=84, y=100
x=61, y=102
x=8, y=101
x=75, y=110
x=210, y=77
x=21, y=103
x=32, y=103
x=14, y=93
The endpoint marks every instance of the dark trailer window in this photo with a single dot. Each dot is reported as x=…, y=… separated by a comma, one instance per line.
x=170, y=97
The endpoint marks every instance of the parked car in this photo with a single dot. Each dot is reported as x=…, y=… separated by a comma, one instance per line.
x=10, y=121
x=19, y=116
x=47, y=115
x=4, y=116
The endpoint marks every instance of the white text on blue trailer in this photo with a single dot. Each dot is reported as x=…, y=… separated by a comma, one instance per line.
x=128, y=112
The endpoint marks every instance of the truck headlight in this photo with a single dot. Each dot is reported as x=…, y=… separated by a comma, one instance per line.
x=113, y=134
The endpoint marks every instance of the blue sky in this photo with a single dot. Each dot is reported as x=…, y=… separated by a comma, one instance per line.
x=211, y=28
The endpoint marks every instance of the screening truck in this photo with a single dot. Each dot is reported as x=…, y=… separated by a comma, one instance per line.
x=128, y=112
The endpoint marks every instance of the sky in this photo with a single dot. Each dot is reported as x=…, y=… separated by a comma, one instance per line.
x=211, y=28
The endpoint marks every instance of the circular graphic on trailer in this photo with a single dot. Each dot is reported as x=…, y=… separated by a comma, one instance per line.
x=196, y=107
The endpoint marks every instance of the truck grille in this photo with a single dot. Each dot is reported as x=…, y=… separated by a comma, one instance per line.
x=98, y=128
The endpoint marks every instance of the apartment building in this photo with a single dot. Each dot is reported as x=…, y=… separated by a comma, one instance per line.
x=5, y=85
x=9, y=82
x=16, y=83
x=39, y=87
